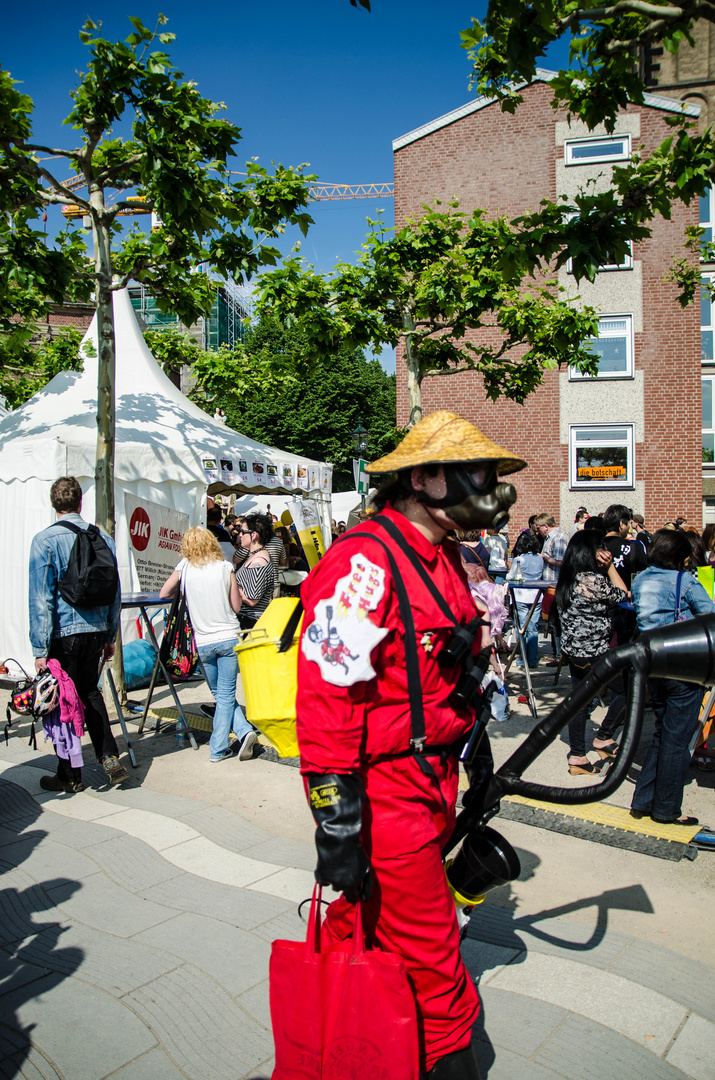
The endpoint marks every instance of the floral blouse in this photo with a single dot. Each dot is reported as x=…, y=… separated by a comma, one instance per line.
x=586, y=623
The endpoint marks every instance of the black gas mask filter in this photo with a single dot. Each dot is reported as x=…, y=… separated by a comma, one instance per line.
x=474, y=499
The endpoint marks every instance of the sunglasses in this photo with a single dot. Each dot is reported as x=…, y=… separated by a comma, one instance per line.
x=244, y=532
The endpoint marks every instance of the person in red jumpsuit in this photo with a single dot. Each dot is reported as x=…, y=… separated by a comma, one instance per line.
x=384, y=806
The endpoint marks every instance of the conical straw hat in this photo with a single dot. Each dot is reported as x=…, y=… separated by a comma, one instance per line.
x=441, y=438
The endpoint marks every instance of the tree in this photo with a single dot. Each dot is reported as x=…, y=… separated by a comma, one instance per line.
x=430, y=284
x=176, y=152
x=172, y=348
x=310, y=411
x=20, y=381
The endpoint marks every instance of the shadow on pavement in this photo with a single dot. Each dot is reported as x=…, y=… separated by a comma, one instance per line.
x=30, y=960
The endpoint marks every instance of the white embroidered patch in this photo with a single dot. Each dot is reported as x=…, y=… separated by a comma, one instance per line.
x=341, y=637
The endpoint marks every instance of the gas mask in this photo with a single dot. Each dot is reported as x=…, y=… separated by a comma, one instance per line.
x=475, y=499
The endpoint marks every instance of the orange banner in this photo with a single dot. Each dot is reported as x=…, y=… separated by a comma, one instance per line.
x=603, y=472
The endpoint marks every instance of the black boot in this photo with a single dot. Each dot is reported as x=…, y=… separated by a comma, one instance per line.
x=462, y=1065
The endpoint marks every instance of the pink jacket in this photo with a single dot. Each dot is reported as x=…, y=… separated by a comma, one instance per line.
x=71, y=708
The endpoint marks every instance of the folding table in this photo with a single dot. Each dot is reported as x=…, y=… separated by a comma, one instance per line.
x=143, y=601
x=520, y=644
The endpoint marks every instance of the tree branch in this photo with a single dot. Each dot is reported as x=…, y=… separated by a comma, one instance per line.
x=106, y=174
x=69, y=195
x=63, y=200
x=36, y=148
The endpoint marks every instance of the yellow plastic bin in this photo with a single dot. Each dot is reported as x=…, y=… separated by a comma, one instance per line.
x=270, y=678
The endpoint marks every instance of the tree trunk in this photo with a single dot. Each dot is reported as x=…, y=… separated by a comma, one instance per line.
x=414, y=382
x=104, y=463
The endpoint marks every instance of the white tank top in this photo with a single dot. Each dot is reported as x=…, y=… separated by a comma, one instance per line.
x=207, y=588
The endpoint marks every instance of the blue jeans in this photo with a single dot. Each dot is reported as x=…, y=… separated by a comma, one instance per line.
x=220, y=665
x=659, y=790
x=531, y=637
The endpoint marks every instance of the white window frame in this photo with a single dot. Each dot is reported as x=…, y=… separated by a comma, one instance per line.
x=709, y=431
x=707, y=327
x=627, y=263
x=578, y=376
x=628, y=481
x=622, y=155
x=706, y=215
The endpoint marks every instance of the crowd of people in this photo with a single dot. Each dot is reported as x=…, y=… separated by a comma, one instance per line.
x=610, y=580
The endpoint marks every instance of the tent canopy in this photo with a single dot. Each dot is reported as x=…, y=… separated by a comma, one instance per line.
x=160, y=435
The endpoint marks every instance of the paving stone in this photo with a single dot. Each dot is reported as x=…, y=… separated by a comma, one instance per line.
x=263, y=1072
x=589, y=944
x=22, y=899
x=208, y=860
x=639, y=1013
x=256, y=1002
x=288, y=926
x=15, y=971
x=237, y=907
x=69, y=831
x=158, y=802
x=31, y=1065
x=502, y=1064
x=284, y=852
x=10, y=832
x=85, y=1032
x=495, y=926
x=236, y=959
x=131, y=863
x=156, y=1065
x=484, y=960
x=13, y=1039
x=105, y=961
x=48, y=859
x=517, y=1023
x=290, y=884
x=201, y=1027
x=158, y=831
x=101, y=903
x=692, y=1051
x=684, y=980
x=16, y=803
x=225, y=828
x=589, y=1051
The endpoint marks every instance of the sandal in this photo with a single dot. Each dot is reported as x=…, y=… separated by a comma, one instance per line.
x=609, y=752
x=676, y=821
x=583, y=768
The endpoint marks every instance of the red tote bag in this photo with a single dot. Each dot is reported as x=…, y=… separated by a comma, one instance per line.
x=341, y=1012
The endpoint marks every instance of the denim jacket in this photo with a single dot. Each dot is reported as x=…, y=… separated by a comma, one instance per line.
x=50, y=616
x=653, y=592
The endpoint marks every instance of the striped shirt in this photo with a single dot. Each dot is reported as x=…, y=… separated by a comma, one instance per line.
x=256, y=581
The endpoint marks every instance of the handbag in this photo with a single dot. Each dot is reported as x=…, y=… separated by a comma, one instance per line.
x=178, y=651
x=339, y=1010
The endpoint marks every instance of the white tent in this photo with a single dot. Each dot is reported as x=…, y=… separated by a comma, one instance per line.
x=163, y=445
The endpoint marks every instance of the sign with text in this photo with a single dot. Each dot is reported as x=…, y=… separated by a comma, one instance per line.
x=155, y=535
x=362, y=479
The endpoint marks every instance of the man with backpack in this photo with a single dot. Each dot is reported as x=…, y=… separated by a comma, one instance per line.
x=74, y=618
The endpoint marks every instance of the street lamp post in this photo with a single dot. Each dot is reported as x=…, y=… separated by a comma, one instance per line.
x=360, y=437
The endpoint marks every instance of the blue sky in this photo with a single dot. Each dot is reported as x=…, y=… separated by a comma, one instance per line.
x=306, y=80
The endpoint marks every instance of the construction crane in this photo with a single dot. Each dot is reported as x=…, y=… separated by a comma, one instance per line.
x=316, y=193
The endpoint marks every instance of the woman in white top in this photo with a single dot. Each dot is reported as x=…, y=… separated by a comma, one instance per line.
x=213, y=600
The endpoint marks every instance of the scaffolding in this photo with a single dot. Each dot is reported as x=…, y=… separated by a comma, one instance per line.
x=224, y=325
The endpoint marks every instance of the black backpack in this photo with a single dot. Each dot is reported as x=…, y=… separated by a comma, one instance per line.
x=91, y=578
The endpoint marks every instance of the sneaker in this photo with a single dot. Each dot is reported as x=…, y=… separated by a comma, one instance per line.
x=245, y=747
x=116, y=773
x=54, y=783
x=223, y=756
x=208, y=710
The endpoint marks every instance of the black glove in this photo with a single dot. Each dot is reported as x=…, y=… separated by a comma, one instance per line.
x=336, y=803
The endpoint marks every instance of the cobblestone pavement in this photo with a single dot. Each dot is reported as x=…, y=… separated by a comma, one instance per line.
x=135, y=936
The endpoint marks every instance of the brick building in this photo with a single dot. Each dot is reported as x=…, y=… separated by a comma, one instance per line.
x=632, y=434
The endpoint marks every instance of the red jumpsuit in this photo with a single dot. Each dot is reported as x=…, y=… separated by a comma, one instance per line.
x=364, y=726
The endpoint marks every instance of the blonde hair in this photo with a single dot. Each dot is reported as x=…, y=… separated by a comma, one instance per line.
x=200, y=546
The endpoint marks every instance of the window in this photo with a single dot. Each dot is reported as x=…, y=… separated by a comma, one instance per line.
x=706, y=215
x=706, y=321
x=601, y=456
x=614, y=346
x=590, y=151
x=627, y=263
x=708, y=420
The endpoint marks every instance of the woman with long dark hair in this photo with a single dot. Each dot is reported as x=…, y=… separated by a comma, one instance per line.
x=587, y=594
x=663, y=594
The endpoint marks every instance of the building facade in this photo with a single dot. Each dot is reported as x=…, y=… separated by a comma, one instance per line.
x=633, y=433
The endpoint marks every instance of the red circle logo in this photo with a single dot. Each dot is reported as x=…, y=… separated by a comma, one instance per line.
x=139, y=529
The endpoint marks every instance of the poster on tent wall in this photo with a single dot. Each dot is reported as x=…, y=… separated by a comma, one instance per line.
x=155, y=535
x=210, y=470
x=243, y=471
x=326, y=478
x=287, y=475
x=227, y=473
x=313, y=477
x=272, y=478
x=307, y=522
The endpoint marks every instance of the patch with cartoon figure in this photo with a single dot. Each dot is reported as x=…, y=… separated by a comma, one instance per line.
x=341, y=637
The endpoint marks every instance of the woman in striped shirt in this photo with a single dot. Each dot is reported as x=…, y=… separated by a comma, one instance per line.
x=256, y=576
